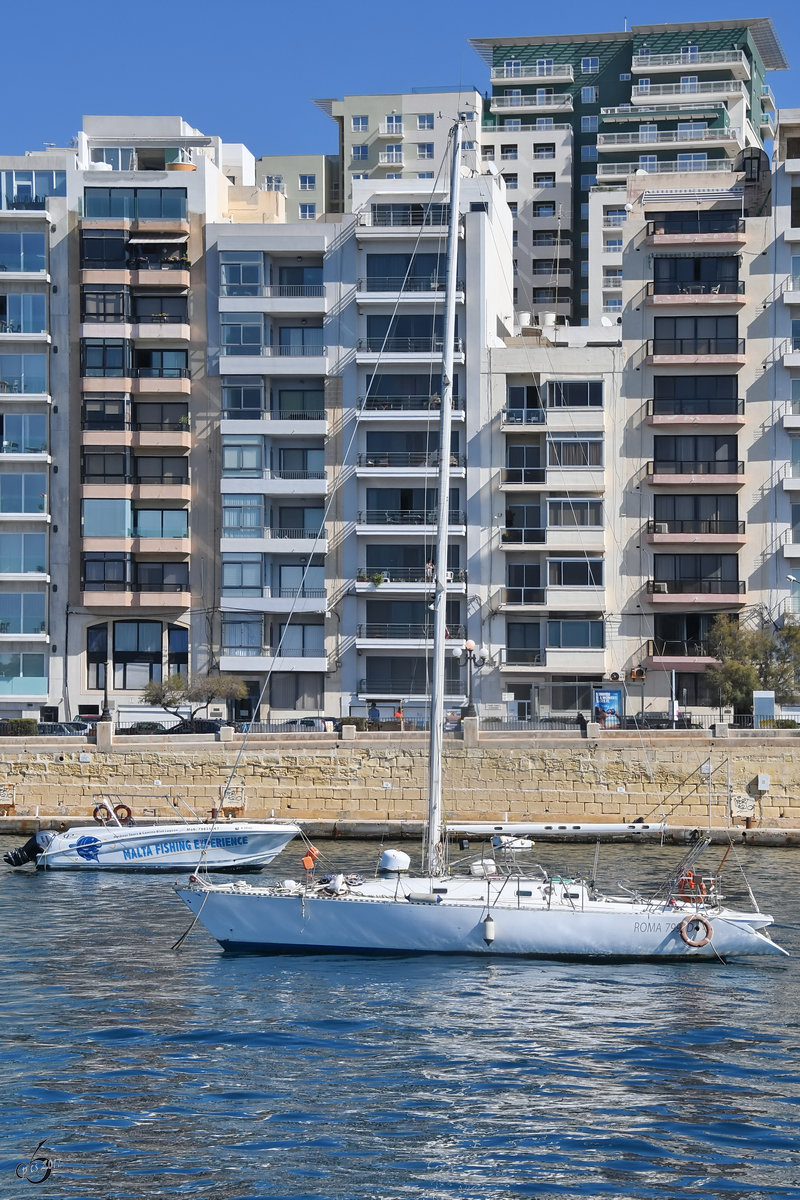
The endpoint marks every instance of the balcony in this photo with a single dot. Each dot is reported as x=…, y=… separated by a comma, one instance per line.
x=612, y=282
x=699, y=410
x=389, y=158
x=664, y=471
x=636, y=139
x=582, y=478
x=407, y=349
x=385, y=687
x=706, y=228
x=404, y=632
x=368, y=578
x=522, y=416
x=734, y=61
x=674, y=655
x=687, y=93
x=402, y=460
x=264, y=658
x=525, y=73
x=379, y=287
x=706, y=532
x=697, y=592
x=553, y=102
x=415, y=406
x=665, y=166
x=696, y=351
x=401, y=520
x=666, y=292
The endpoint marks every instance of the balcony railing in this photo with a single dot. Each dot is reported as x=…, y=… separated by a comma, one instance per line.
x=712, y=525
x=696, y=406
x=406, y=403
x=403, y=283
x=691, y=58
x=522, y=416
x=532, y=71
x=388, y=159
x=406, y=345
x=385, y=685
x=402, y=629
x=675, y=648
x=529, y=533
x=612, y=281
x=422, y=574
x=160, y=372
x=523, y=595
x=274, y=291
x=723, y=345
x=302, y=593
x=402, y=516
x=668, y=137
x=703, y=587
x=308, y=534
x=140, y=262
x=523, y=475
x=315, y=350
x=665, y=166
x=675, y=287
x=523, y=657
x=557, y=100
x=695, y=467
x=706, y=87
x=407, y=458
x=723, y=222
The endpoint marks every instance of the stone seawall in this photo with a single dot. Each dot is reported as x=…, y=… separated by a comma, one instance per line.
x=383, y=778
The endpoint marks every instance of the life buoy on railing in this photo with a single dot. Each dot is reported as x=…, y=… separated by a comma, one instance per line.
x=123, y=814
x=101, y=814
x=699, y=923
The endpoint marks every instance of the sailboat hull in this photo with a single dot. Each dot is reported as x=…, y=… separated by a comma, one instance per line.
x=262, y=921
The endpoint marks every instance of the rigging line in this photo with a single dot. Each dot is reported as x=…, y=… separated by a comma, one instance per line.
x=338, y=248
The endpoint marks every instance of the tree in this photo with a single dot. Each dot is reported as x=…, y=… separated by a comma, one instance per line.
x=760, y=655
x=195, y=692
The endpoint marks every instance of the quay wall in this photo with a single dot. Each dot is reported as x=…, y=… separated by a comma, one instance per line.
x=382, y=777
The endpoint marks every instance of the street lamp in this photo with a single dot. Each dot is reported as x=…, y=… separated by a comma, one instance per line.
x=105, y=715
x=475, y=659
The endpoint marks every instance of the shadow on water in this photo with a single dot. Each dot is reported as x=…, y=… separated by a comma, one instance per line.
x=163, y=1073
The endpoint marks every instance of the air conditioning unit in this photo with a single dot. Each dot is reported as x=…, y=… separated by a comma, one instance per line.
x=660, y=588
x=660, y=527
x=615, y=676
x=638, y=674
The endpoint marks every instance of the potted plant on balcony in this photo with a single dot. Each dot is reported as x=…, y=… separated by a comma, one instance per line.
x=378, y=578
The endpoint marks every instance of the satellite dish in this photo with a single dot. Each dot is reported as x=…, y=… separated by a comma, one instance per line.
x=492, y=169
x=607, y=322
x=641, y=171
x=629, y=207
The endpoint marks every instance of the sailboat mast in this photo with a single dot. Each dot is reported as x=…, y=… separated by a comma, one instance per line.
x=436, y=857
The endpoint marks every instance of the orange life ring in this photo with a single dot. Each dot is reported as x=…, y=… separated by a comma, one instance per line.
x=698, y=922
x=123, y=814
x=101, y=814
x=691, y=888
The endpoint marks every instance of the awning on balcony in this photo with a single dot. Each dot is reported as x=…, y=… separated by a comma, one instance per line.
x=156, y=239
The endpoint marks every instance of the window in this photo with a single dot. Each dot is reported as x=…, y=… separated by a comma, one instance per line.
x=691, y=129
x=360, y=175
x=693, y=162
x=23, y=553
x=160, y=576
x=27, y=667
x=589, y=124
x=242, y=575
x=575, y=572
x=119, y=158
x=544, y=150
x=23, y=493
x=648, y=162
x=584, y=300
x=488, y=153
x=512, y=68
x=424, y=149
x=102, y=249
x=160, y=523
x=393, y=154
x=394, y=123
x=150, y=468
x=25, y=189
x=425, y=175
x=104, y=466
x=301, y=691
x=135, y=203
x=161, y=364
x=577, y=634
x=105, y=357
x=523, y=643
x=23, y=313
x=588, y=181
x=243, y=633
x=584, y=211
x=23, y=252
x=624, y=76
x=570, y=511
x=308, y=212
x=243, y=456
x=360, y=153
x=106, y=518
x=540, y=123
x=242, y=333
x=359, y=124
x=508, y=151
x=590, y=65
x=394, y=174
x=105, y=572
x=241, y=272
x=585, y=246
x=544, y=66
x=243, y=515
x=690, y=52
x=590, y=95
x=543, y=209
x=102, y=302
x=425, y=121
x=585, y=263
x=22, y=612
x=580, y=451
x=242, y=397
x=512, y=208
x=308, y=403
x=308, y=183
x=514, y=239
x=696, y=335
x=137, y=653
x=542, y=180
x=589, y=153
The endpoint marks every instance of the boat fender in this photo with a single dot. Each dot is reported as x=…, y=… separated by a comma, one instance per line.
x=488, y=929
x=101, y=814
x=123, y=814
x=702, y=929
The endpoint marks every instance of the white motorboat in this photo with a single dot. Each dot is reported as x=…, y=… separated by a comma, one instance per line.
x=491, y=910
x=117, y=843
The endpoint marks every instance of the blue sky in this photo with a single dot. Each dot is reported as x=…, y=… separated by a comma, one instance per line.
x=248, y=69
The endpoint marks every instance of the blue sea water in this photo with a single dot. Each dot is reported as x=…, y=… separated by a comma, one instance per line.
x=156, y=1072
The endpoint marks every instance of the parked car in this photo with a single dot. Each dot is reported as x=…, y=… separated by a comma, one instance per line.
x=658, y=720
x=201, y=725
x=143, y=728
x=62, y=728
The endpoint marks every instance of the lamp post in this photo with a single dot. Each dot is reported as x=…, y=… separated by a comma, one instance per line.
x=475, y=659
x=105, y=715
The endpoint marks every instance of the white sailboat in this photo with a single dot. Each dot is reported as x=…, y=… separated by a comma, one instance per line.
x=491, y=910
